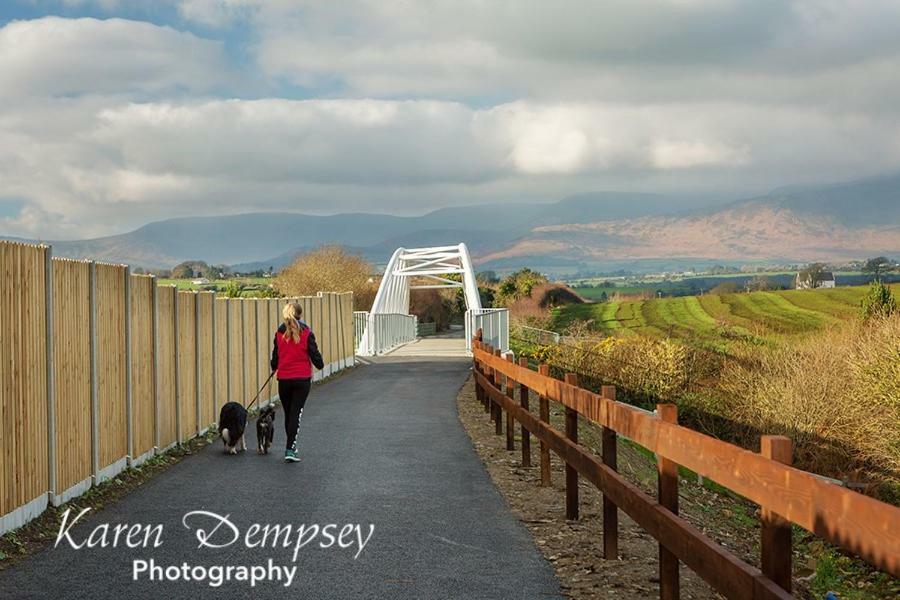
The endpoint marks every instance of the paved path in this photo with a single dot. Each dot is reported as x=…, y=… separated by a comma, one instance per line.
x=381, y=445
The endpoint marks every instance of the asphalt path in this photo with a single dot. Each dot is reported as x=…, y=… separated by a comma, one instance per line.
x=384, y=460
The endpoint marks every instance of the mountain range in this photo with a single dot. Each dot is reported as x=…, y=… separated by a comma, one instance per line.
x=594, y=231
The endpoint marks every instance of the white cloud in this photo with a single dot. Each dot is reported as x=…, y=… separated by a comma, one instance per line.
x=110, y=123
x=54, y=56
x=105, y=162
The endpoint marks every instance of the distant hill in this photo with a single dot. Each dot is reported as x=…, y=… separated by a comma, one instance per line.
x=601, y=230
x=823, y=223
x=260, y=240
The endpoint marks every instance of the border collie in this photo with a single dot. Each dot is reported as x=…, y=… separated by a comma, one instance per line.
x=232, y=422
x=265, y=429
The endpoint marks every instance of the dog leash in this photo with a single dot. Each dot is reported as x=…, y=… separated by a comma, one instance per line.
x=247, y=406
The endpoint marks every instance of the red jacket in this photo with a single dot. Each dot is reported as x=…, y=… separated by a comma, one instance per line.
x=295, y=360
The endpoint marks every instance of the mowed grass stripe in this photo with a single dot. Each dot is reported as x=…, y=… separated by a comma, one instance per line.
x=836, y=306
x=788, y=312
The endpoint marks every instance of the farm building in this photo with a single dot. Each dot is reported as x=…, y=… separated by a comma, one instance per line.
x=201, y=281
x=825, y=279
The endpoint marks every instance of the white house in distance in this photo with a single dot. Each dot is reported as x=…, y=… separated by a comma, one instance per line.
x=205, y=281
x=825, y=280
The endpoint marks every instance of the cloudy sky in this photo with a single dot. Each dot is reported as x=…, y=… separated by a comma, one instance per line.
x=117, y=112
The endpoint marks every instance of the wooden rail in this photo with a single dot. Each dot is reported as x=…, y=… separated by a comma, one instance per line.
x=852, y=521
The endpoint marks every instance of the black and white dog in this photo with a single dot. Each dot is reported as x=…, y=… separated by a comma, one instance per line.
x=232, y=422
x=265, y=429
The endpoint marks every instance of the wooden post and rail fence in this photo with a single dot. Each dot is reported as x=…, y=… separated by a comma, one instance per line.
x=101, y=369
x=786, y=495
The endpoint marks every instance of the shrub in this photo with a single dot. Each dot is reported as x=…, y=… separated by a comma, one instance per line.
x=517, y=285
x=878, y=302
x=234, y=289
x=642, y=367
x=329, y=269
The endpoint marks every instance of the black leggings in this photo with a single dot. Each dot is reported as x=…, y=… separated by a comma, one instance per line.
x=293, y=394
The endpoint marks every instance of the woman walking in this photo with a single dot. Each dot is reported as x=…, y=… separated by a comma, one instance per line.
x=293, y=356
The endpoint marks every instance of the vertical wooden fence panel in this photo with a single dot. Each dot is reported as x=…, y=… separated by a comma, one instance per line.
x=221, y=355
x=187, y=365
x=206, y=360
x=24, y=474
x=274, y=322
x=251, y=350
x=235, y=350
x=347, y=328
x=166, y=366
x=143, y=402
x=72, y=372
x=111, y=370
x=262, y=342
x=315, y=323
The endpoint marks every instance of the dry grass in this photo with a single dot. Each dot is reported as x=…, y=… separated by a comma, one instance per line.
x=836, y=394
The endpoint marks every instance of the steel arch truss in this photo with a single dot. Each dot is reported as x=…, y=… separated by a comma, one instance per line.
x=425, y=268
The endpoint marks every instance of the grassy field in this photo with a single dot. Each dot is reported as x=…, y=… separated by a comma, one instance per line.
x=218, y=284
x=759, y=315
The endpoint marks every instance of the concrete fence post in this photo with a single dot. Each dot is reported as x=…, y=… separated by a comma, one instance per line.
x=51, y=378
x=129, y=397
x=178, y=397
x=197, y=363
x=95, y=380
x=215, y=359
x=154, y=326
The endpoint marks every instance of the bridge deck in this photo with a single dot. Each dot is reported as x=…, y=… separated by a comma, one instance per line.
x=381, y=444
x=448, y=345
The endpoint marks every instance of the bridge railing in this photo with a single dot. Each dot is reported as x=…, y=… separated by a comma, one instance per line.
x=379, y=333
x=786, y=495
x=494, y=326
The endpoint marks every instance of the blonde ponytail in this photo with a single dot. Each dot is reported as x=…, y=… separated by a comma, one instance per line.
x=291, y=314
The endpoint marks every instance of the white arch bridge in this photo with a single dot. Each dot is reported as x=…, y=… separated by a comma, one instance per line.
x=389, y=325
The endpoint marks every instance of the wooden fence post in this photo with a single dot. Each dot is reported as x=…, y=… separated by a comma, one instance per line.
x=510, y=421
x=491, y=377
x=545, y=418
x=483, y=369
x=479, y=393
x=498, y=408
x=523, y=402
x=776, y=532
x=571, y=472
x=667, y=489
x=610, y=512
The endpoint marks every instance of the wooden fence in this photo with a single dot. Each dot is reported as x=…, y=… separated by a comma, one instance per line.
x=101, y=369
x=852, y=521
